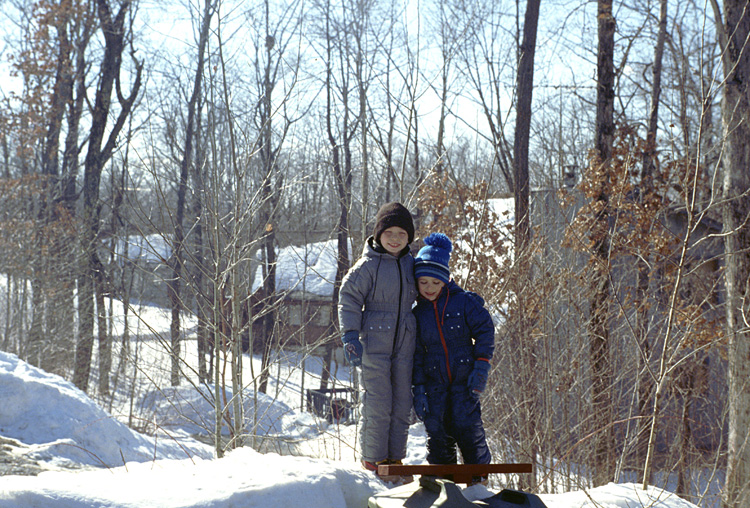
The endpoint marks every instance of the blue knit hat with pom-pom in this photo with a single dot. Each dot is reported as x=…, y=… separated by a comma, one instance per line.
x=432, y=259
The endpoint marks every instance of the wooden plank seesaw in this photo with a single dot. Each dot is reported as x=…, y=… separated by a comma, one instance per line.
x=457, y=473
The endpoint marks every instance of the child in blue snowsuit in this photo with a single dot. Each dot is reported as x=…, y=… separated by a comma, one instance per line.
x=455, y=343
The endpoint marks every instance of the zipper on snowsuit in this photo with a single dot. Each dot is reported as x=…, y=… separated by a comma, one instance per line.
x=398, y=315
x=439, y=323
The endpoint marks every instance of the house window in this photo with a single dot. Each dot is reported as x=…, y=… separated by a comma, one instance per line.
x=323, y=315
x=295, y=314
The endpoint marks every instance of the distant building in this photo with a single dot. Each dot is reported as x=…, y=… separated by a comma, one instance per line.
x=146, y=256
x=697, y=385
x=305, y=277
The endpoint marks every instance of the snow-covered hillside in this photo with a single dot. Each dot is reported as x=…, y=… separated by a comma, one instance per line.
x=49, y=421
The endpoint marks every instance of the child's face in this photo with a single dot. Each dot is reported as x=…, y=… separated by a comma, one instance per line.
x=430, y=287
x=394, y=239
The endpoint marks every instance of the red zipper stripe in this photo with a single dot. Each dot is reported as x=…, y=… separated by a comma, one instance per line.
x=442, y=340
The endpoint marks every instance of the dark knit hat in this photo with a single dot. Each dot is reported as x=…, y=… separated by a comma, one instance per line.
x=432, y=259
x=393, y=214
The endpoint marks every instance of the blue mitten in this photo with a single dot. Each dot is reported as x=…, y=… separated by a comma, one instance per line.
x=352, y=348
x=478, y=376
x=420, y=402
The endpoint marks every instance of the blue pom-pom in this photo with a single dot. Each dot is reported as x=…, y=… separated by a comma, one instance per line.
x=439, y=240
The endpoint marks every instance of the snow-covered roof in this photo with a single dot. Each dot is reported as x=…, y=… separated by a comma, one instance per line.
x=309, y=268
x=150, y=248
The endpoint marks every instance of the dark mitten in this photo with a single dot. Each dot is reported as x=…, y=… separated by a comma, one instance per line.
x=420, y=402
x=478, y=376
x=352, y=348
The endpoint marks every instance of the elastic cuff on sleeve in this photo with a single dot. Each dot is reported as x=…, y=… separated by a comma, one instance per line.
x=482, y=363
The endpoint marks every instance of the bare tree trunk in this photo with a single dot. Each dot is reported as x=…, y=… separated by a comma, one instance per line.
x=446, y=42
x=522, y=233
x=601, y=370
x=104, y=339
x=645, y=376
x=35, y=351
x=173, y=286
x=126, y=283
x=176, y=258
x=686, y=386
x=204, y=345
x=68, y=191
x=736, y=217
x=269, y=199
x=363, y=16
x=343, y=182
x=96, y=156
x=653, y=121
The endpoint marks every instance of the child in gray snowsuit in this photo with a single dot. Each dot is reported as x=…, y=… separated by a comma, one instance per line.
x=378, y=332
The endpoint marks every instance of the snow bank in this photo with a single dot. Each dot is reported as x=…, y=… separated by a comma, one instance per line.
x=242, y=478
x=61, y=421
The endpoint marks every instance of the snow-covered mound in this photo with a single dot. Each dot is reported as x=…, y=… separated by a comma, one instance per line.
x=243, y=477
x=190, y=410
x=617, y=495
x=62, y=422
x=44, y=409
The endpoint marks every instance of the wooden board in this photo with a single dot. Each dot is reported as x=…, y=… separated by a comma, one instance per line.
x=458, y=473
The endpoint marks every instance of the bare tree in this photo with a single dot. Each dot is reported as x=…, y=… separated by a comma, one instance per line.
x=50, y=59
x=645, y=193
x=734, y=32
x=115, y=33
x=601, y=374
x=362, y=22
x=62, y=91
x=176, y=261
x=340, y=138
x=386, y=109
x=273, y=124
x=485, y=59
x=522, y=233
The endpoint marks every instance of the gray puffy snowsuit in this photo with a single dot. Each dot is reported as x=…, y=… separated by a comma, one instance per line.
x=376, y=299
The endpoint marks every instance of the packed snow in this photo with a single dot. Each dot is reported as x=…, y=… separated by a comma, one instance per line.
x=52, y=422
x=88, y=457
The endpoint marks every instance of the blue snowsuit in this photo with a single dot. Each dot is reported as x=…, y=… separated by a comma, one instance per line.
x=453, y=332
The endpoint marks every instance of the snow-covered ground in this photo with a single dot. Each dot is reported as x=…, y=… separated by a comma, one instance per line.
x=90, y=458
